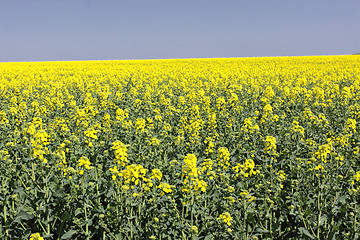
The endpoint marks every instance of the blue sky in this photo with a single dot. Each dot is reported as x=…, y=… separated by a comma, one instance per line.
x=51, y=30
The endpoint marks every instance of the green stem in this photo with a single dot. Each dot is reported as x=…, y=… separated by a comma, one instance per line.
x=182, y=212
x=97, y=185
x=319, y=216
x=270, y=227
x=5, y=219
x=48, y=212
x=85, y=211
x=86, y=224
x=182, y=219
x=32, y=176
x=139, y=211
x=42, y=227
x=130, y=222
x=192, y=204
x=33, y=172
x=13, y=206
x=301, y=210
x=245, y=216
x=48, y=223
x=355, y=222
x=318, y=227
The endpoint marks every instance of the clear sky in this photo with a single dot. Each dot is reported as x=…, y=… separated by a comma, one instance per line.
x=51, y=30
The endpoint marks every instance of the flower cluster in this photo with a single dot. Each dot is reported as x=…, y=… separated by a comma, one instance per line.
x=351, y=125
x=120, y=153
x=191, y=176
x=249, y=127
x=223, y=159
x=84, y=162
x=36, y=236
x=225, y=218
x=39, y=139
x=246, y=169
x=189, y=167
x=323, y=151
x=270, y=145
x=140, y=125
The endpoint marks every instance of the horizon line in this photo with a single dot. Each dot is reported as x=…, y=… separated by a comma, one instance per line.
x=189, y=58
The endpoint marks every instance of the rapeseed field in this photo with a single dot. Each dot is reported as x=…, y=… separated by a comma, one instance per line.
x=237, y=148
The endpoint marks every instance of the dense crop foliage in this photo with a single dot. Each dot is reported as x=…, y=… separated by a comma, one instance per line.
x=252, y=148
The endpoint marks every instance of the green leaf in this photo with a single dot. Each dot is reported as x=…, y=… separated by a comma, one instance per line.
x=261, y=230
x=22, y=215
x=323, y=220
x=209, y=237
x=306, y=232
x=78, y=211
x=307, y=212
x=68, y=234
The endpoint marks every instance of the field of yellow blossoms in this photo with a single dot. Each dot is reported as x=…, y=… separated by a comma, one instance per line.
x=238, y=148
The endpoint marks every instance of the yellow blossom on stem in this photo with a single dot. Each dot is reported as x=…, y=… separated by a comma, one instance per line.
x=36, y=236
x=189, y=166
x=120, y=153
x=226, y=218
x=270, y=144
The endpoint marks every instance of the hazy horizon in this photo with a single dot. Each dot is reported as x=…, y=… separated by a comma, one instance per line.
x=50, y=30
x=144, y=59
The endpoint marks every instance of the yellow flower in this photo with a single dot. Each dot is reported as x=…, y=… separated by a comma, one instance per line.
x=226, y=218
x=166, y=188
x=84, y=161
x=154, y=141
x=121, y=114
x=346, y=92
x=120, y=153
x=270, y=144
x=189, y=166
x=36, y=236
x=156, y=173
x=194, y=229
x=297, y=128
x=351, y=125
x=211, y=145
x=323, y=152
x=139, y=125
x=207, y=165
x=269, y=92
x=246, y=169
x=244, y=193
x=223, y=157
x=281, y=175
x=319, y=168
x=249, y=127
x=158, y=118
x=356, y=178
x=199, y=185
x=133, y=174
x=220, y=102
x=167, y=127
x=91, y=133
